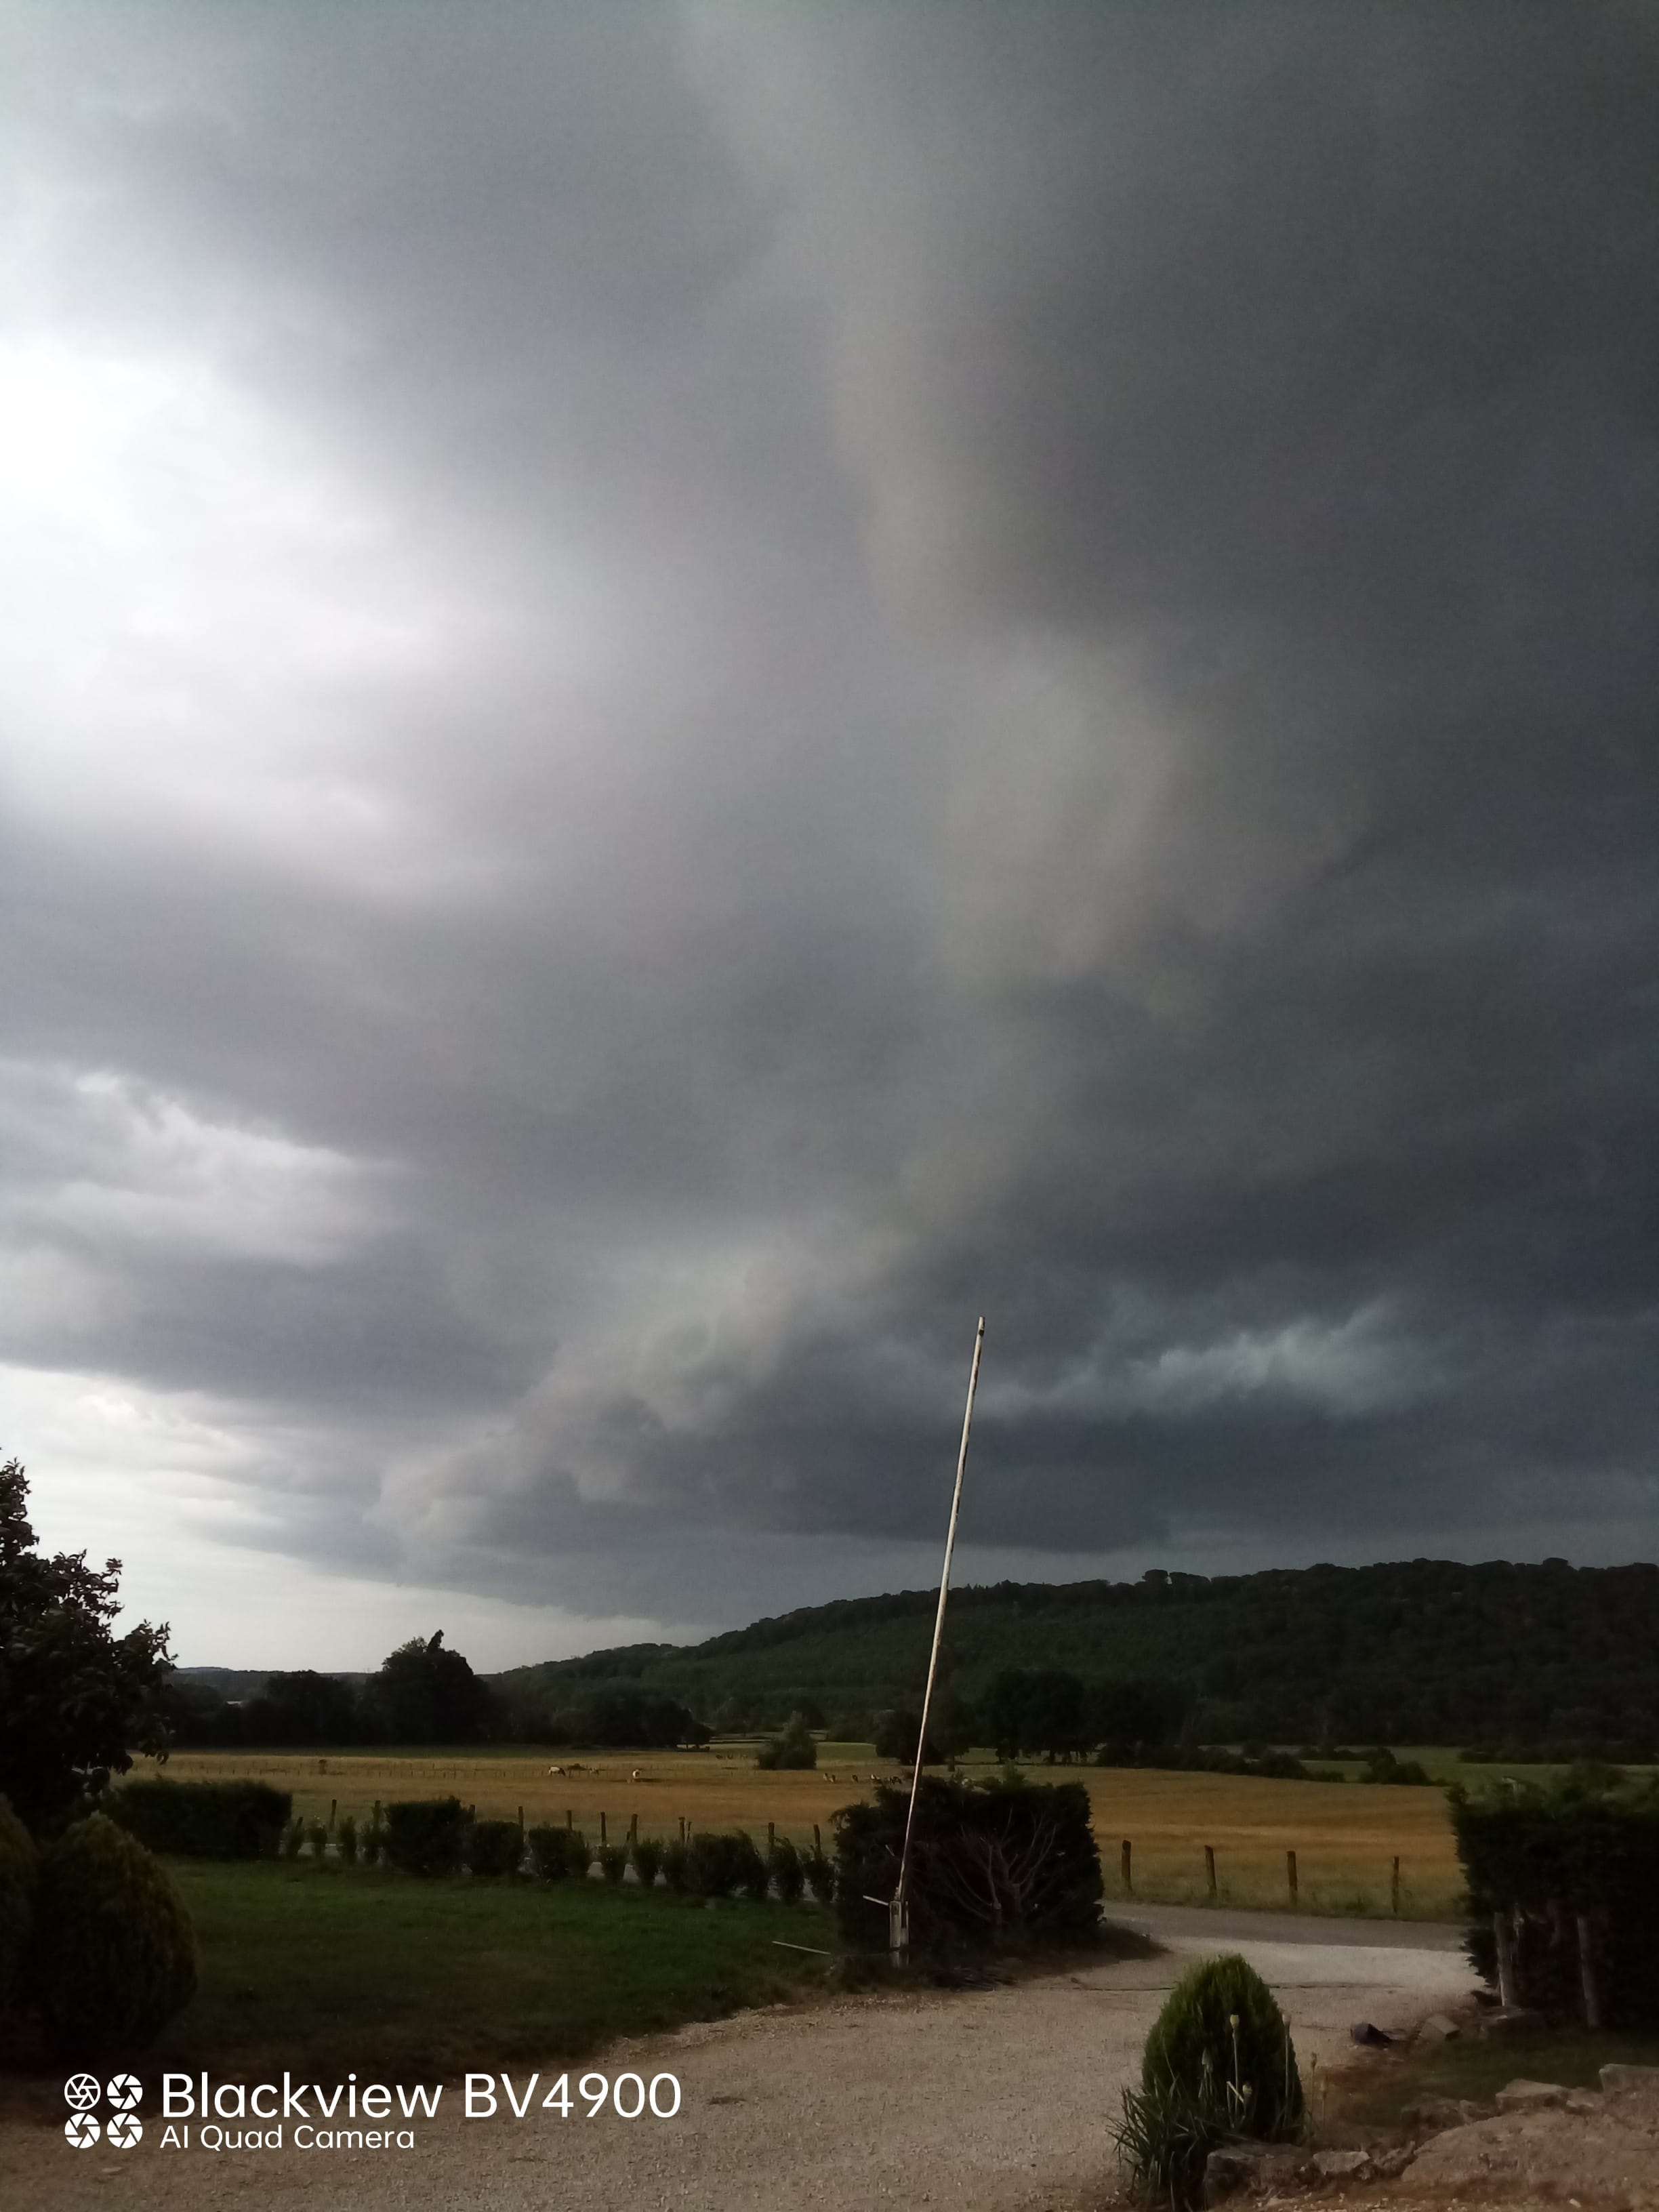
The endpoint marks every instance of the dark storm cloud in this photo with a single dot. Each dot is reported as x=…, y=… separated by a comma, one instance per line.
x=1004, y=661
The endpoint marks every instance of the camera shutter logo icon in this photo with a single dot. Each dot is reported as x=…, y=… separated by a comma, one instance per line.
x=83, y=2091
x=123, y=2130
x=125, y=2091
x=81, y=2132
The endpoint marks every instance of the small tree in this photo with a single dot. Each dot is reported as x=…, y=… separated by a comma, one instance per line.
x=76, y=1699
x=794, y=1748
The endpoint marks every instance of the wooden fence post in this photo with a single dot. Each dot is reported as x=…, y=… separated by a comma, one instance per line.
x=771, y=1838
x=1209, y=1866
x=1290, y=1876
x=569, y=1818
x=817, y=1848
x=521, y=1819
x=1128, y=1882
x=333, y=1807
x=682, y=1828
x=602, y=1828
x=1393, y=1891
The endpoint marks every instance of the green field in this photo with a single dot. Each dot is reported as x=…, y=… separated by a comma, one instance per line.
x=336, y=1967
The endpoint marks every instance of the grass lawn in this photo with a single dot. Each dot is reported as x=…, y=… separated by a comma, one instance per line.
x=1372, y=2092
x=325, y=1966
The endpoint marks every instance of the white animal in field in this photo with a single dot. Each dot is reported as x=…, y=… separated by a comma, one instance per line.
x=637, y=1776
x=555, y=1770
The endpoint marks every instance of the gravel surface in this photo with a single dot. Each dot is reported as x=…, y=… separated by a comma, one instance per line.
x=982, y=2101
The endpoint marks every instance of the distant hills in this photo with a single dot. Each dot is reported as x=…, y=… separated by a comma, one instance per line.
x=1425, y=1651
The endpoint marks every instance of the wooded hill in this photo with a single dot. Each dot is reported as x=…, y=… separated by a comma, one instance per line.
x=1427, y=1651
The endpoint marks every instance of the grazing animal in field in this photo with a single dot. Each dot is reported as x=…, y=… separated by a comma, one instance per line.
x=555, y=1770
x=637, y=1776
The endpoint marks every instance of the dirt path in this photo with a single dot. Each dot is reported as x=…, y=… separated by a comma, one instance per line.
x=985, y=2102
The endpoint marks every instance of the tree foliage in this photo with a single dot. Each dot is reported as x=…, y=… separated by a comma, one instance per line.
x=76, y=1700
x=426, y=1694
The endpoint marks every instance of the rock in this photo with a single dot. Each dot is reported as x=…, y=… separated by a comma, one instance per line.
x=1619, y=2080
x=1249, y=2169
x=1532, y=2097
x=1438, y=2027
x=1366, y=2032
x=1432, y=2116
x=1513, y=2020
x=1391, y=2159
x=1342, y=2165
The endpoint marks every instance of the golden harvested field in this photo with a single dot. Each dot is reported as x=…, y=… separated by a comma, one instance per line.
x=1345, y=1835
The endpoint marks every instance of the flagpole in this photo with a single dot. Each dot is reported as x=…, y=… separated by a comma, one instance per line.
x=898, y=1928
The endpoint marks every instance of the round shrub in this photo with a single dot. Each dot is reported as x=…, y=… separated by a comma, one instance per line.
x=425, y=1835
x=613, y=1862
x=1220, y=2021
x=677, y=1867
x=346, y=1837
x=317, y=1837
x=494, y=1847
x=648, y=1861
x=820, y=1871
x=113, y=1956
x=292, y=1838
x=19, y=1873
x=555, y=1853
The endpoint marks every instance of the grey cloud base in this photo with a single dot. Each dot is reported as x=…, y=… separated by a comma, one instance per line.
x=786, y=675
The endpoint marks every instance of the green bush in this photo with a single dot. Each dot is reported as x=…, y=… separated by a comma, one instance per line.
x=1221, y=2023
x=793, y=1747
x=345, y=1838
x=677, y=1867
x=113, y=1956
x=425, y=1835
x=494, y=1847
x=371, y=1845
x=648, y=1861
x=820, y=1871
x=203, y=1820
x=19, y=1875
x=993, y=1864
x=555, y=1853
x=317, y=1837
x=1546, y=1857
x=720, y=1865
x=613, y=1862
x=788, y=1875
x=292, y=1841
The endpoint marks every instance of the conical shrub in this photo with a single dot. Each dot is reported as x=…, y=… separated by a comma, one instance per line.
x=1220, y=2024
x=113, y=1956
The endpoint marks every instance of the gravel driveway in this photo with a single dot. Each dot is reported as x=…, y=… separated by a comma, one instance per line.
x=980, y=2100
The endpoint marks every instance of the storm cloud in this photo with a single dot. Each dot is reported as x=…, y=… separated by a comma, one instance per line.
x=691, y=693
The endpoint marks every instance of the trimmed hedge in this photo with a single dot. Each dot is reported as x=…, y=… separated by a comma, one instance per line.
x=1005, y=1862
x=494, y=1847
x=719, y=1866
x=1546, y=1857
x=557, y=1854
x=426, y=1835
x=203, y=1820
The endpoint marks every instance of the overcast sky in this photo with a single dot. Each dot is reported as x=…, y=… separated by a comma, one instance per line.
x=687, y=693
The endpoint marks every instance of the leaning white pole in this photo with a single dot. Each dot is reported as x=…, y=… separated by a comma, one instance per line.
x=897, y=1930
